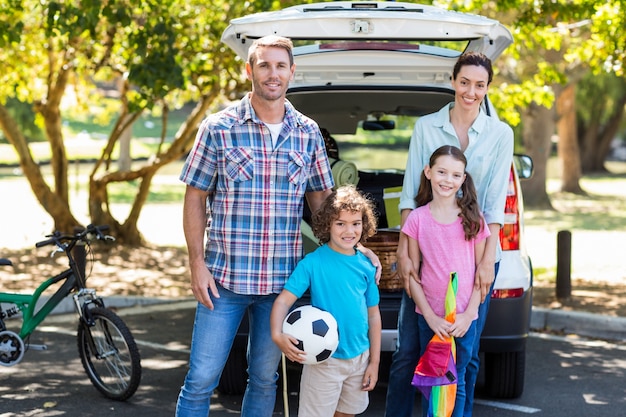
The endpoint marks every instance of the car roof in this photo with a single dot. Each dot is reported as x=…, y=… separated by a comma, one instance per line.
x=370, y=21
x=369, y=59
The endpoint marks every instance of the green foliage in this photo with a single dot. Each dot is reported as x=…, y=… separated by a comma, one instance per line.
x=11, y=24
x=599, y=92
x=25, y=118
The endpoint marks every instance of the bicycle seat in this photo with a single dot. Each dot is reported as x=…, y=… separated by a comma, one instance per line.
x=4, y=261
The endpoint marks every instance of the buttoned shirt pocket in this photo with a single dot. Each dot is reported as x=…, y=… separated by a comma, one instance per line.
x=239, y=164
x=297, y=169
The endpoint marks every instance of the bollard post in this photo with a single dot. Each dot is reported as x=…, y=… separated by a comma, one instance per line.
x=563, y=265
x=80, y=256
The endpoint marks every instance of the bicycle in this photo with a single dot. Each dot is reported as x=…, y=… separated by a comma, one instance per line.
x=106, y=346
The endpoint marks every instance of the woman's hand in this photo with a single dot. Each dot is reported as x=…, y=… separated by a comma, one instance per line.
x=485, y=275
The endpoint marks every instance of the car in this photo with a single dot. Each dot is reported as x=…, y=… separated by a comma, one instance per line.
x=365, y=71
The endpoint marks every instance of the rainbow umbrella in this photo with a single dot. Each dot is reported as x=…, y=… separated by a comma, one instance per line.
x=435, y=375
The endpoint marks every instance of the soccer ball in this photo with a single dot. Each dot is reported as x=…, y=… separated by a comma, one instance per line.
x=316, y=331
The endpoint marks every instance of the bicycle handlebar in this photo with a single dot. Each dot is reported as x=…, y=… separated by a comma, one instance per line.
x=91, y=232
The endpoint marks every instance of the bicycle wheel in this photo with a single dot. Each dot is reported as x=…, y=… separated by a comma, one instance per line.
x=109, y=354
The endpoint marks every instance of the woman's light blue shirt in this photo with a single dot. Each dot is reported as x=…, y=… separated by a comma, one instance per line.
x=489, y=158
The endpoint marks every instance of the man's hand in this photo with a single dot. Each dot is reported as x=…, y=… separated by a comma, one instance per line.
x=373, y=259
x=202, y=282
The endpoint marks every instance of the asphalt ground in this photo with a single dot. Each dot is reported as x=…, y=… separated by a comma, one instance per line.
x=163, y=333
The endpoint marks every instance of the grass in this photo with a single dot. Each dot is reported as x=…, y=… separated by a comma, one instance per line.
x=85, y=137
x=597, y=221
x=80, y=148
x=603, y=207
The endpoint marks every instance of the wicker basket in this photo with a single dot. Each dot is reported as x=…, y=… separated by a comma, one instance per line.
x=384, y=244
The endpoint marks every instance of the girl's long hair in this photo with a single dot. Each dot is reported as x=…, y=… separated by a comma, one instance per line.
x=467, y=199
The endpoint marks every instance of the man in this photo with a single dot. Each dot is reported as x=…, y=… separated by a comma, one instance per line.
x=254, y=162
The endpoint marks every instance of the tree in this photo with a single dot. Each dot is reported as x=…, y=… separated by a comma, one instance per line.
x=556, y=43
x=600, y=118
x=164, y=53
x=568, y=150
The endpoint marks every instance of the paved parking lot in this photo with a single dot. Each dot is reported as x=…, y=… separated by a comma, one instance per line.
x=53, y=382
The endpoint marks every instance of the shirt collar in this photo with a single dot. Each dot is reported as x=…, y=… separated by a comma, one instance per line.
x=443, y=119
x=246, y=112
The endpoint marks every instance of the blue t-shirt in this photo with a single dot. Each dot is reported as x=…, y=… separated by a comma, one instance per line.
x=343, y=285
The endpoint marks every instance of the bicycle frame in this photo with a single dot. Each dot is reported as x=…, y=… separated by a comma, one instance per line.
x=28, y=302
x=107, y=349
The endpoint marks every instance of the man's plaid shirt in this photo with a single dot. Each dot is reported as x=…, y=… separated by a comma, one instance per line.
x=257, y=193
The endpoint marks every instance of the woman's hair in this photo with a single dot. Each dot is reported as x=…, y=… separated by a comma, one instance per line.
x=270, y=41
x=344, y=198
x=476, y=59
x=467, y=200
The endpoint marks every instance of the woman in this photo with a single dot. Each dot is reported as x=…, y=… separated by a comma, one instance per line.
x=487, y=143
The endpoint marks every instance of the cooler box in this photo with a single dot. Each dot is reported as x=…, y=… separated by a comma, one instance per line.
x=391, y=198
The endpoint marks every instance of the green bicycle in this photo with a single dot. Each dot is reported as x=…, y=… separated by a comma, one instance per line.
x=106, y=346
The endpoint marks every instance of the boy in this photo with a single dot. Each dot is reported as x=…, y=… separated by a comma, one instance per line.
x=341, y=281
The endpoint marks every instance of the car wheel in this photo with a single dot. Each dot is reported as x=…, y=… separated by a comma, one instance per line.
x=234, y=376
x=504, y=374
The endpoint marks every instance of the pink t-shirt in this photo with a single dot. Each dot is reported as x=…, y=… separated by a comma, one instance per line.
x=443, y=249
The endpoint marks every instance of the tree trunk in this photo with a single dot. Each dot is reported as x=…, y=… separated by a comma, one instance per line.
x=587, y=138
x=127, y=232
x=58, y=208
x=538, y=127
x=596, y=149
x=567, y=148
x=125, y=158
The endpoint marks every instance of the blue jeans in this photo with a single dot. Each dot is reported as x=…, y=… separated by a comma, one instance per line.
x=213, y=335
x=400, y=392
x=472, y=368
x=464, y=348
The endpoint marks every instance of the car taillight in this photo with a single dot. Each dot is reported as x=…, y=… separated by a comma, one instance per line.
x=510, y=233
x=508, y=293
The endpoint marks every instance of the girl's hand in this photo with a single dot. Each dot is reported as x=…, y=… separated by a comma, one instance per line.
x=439, y=325
x=462, y=323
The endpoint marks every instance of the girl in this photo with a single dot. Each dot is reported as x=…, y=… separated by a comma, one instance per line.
x=446, y=233
x=487, y=143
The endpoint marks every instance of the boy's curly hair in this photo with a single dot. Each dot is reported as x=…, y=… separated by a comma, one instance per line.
x=346, y=198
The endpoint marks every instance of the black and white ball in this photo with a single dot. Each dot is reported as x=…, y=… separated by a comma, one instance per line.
x=316, y=330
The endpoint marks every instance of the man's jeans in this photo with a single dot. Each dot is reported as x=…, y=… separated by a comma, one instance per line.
x=400, y=392
x=213, y=335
